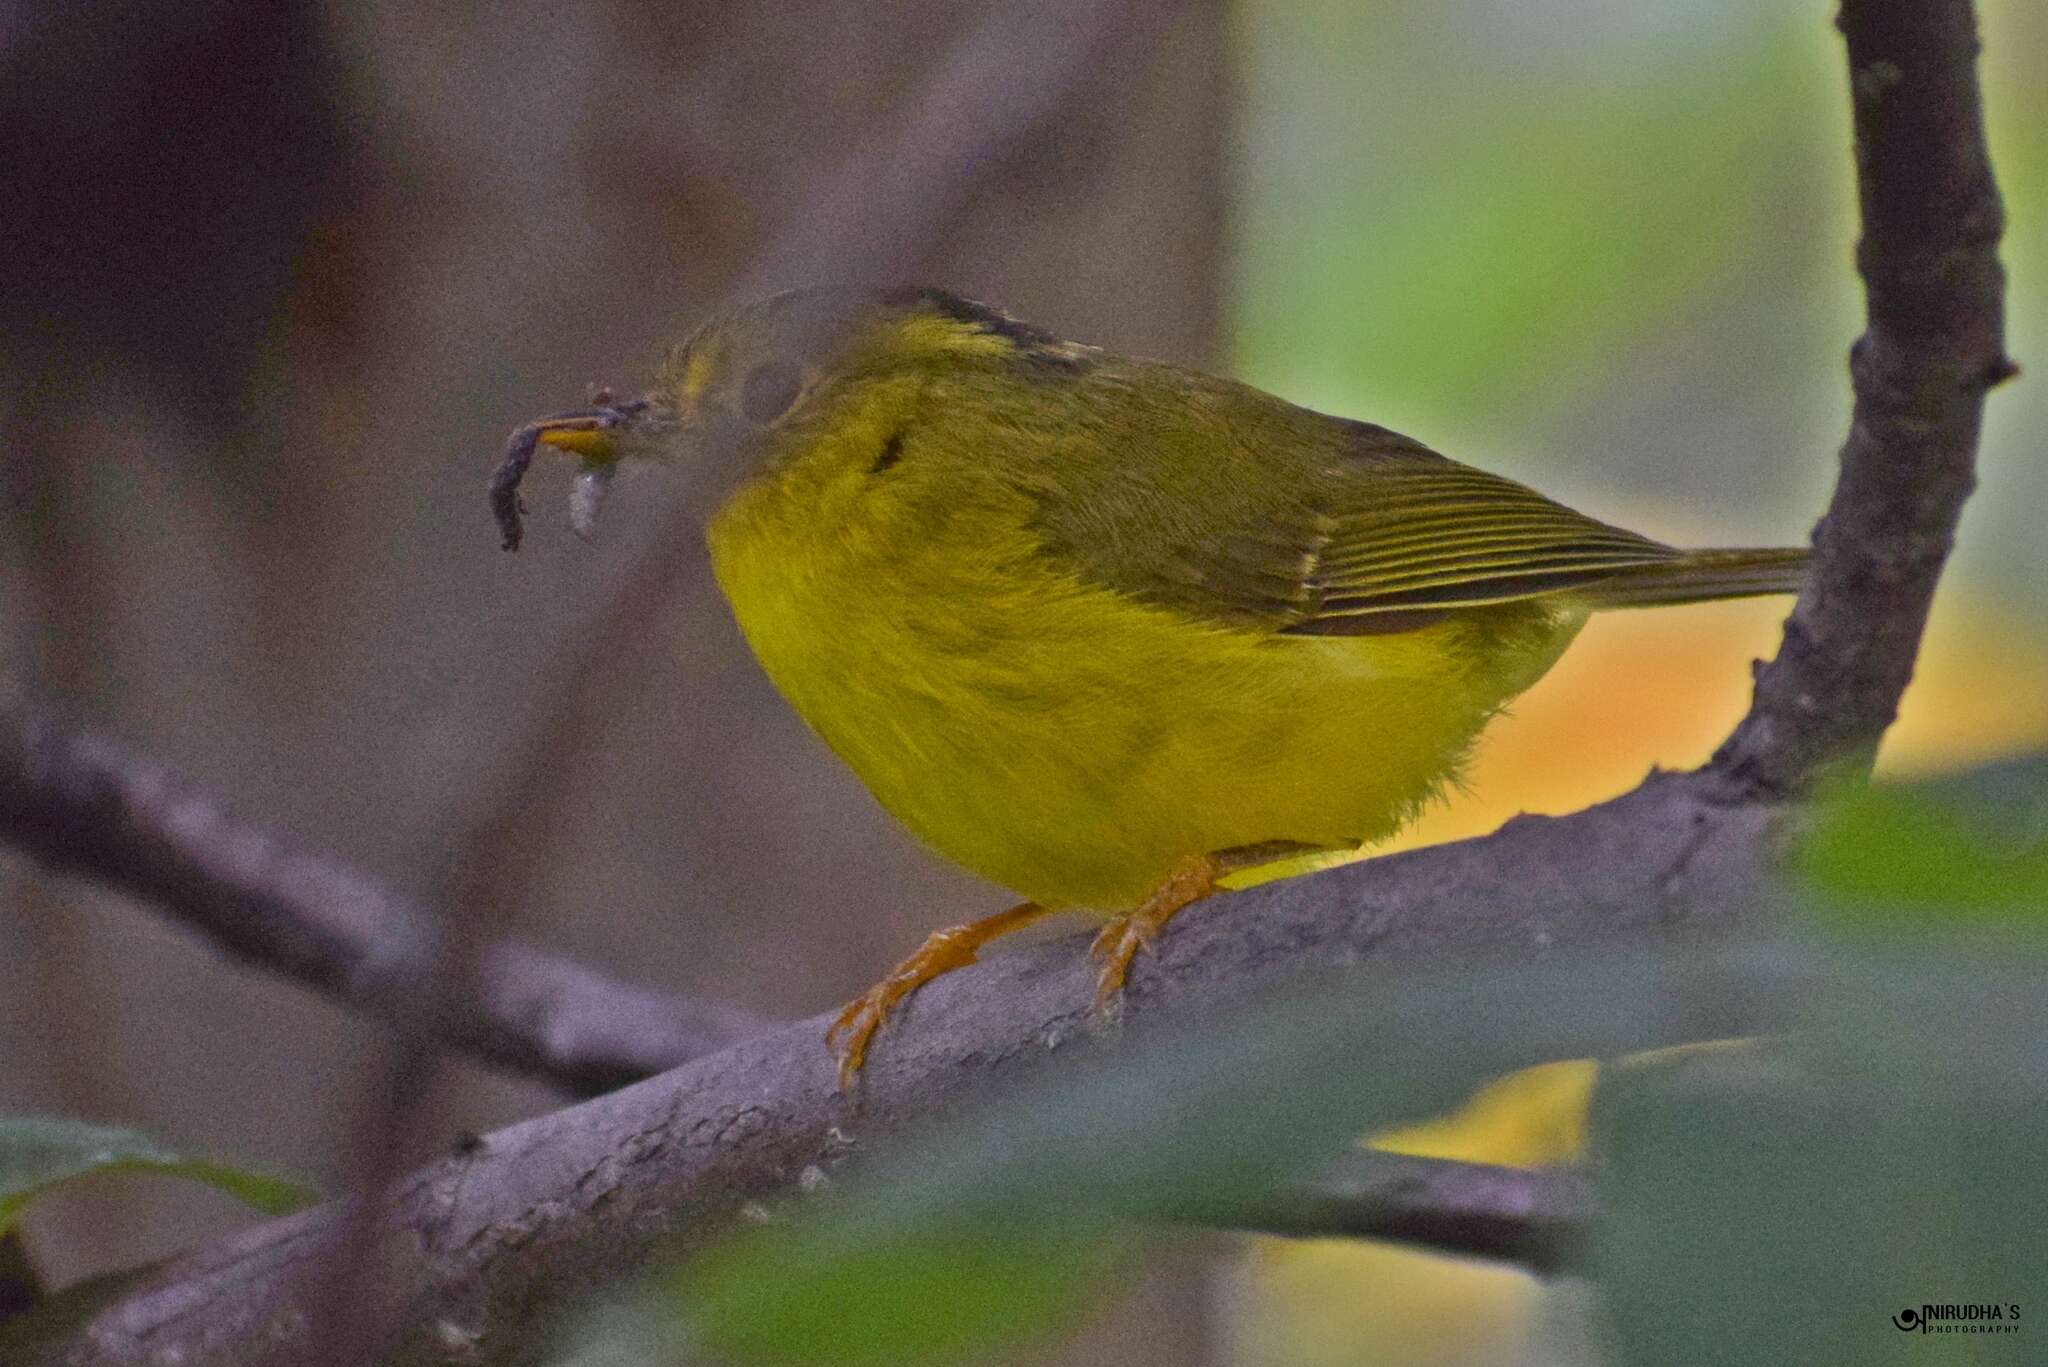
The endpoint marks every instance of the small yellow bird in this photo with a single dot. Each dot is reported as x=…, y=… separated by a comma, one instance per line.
x=1104, y=630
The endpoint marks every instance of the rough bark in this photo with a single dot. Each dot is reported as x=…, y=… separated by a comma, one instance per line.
x=488, y=1246
x=1932, y=346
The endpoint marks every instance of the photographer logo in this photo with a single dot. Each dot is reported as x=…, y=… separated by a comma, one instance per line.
x=1949, y=1317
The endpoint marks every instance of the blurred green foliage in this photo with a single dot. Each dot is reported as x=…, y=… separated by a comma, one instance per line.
x=1775, y=1204
x=859, y=1296
x=1193, y=1128
x=1934, y=856
x=38, y=1153
x=1782, y=1205
x=1607, y=248
x=1505, y=236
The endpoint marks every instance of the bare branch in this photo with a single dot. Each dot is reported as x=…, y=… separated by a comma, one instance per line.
x=80, y=806
x=1932, y=347
x=1537, y=1217
x=492, y=1245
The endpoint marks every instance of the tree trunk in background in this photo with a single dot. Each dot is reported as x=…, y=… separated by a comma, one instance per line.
x=305, y=609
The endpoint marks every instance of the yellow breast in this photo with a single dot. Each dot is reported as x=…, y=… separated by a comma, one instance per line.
x=1069, y=742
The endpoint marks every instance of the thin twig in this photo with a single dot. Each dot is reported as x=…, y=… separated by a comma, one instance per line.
x=80, y=806
x=1932, y=347
x=1536, y=1217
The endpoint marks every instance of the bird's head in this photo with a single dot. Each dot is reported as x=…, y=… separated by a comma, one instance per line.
x=753, y=386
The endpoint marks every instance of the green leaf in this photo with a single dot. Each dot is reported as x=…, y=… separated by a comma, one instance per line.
x=41, y=1152
x=1887, y=1166
x=945, y=1292
x=1783, y=1205
x=1000, y=1224
x=1972, y=849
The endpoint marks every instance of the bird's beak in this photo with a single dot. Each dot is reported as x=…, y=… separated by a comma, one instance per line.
x=598, y=435
x=585, y=432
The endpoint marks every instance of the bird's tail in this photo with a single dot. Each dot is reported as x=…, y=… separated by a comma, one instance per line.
x=1701, y=576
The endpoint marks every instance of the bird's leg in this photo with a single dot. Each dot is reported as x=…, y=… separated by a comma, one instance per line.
x=942, y=952
x=1186, y=883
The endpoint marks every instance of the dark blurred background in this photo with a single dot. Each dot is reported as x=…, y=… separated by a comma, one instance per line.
x=276, y=279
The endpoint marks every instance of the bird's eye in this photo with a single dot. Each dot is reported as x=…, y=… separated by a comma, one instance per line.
x=769, y=391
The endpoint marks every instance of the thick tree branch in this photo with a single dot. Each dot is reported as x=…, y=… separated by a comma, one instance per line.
x=489, y=1246
x=1537, y=1217
x=485, y=1248
x=1933, y=345
x=79, y=806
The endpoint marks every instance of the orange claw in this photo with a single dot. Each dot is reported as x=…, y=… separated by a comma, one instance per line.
x=1190, y=881
x=942, y=952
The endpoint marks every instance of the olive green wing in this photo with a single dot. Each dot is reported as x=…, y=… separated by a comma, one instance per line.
x=1414, y=536
x=1295, y=522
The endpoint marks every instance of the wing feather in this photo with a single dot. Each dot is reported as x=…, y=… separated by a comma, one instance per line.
x=1303, y=523
x=1406, y=537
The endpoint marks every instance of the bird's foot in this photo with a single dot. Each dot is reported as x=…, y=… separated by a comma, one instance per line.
x=1189, y=882
x=942, y=952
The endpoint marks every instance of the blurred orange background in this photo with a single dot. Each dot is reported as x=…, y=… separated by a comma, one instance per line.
x=1638, y=687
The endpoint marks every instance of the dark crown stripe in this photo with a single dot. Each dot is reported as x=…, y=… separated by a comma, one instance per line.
x=1034, y=342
